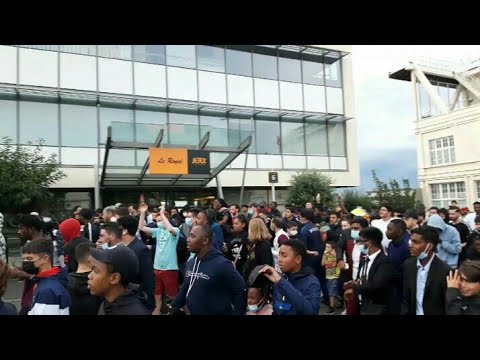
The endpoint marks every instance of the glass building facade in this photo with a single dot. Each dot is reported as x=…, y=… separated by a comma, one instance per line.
x=290, y=97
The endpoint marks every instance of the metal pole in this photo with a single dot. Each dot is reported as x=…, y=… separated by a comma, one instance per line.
x=219, y=187
x=273, y=192
x=240, y=201
x=96, y=187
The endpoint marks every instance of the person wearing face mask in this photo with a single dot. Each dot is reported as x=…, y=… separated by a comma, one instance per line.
x=463, y=293
x=50, y=296
x=110, y=235
x=349, y=258
x=280, y=237
x=424, y=279
x=292, y=230
x=257, y=302
x=376, y=279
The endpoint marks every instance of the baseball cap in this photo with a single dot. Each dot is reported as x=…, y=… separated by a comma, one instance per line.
x=257, y=279
x=121, y=258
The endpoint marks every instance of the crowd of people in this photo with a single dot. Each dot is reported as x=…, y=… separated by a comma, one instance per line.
x=249, y=260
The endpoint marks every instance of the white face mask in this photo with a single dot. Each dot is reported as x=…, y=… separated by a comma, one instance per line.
x=293, y=232
x=185, y=214
x=105, y=246
x=188, y=221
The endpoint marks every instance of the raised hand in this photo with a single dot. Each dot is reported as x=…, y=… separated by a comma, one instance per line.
x=453, y=280
x=271, y=274
x=143, y=208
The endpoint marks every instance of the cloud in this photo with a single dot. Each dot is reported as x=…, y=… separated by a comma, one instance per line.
x=384, y=108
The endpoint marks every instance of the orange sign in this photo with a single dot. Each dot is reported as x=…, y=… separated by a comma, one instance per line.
x=168, y=161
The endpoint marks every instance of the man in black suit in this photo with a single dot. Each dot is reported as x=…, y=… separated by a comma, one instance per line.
x=425, y=275
x=91, y=231
x=376, y=277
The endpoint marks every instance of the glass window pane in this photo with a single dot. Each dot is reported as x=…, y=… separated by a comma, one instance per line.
x=333, y=74
x=451, y=142
x=334, y=100
x=269, y=161
x=336, y=139
x=265, y=66
x=291, y=96
x=294, y=162
x=218, y=128
x=123, y=52
x=212, y=87
x=181, y=131
x=79, y=156
x=182, y=84
x=293, y=141
x=290, y=69
x=8, y=119
x=443, y=92
x=238, y=129
x=240, y=90
x=239, y=62
x=314, y=98
x=79, y=125
x=211, y=58
x=38, y=121
x=316, y=136
x=149, y=124
x=424, y=101
x=152, y=54
x=266, y=94
x=181, y=55
x=120, y=132
x=79, y=49
x=313, y=73
x=268, y=137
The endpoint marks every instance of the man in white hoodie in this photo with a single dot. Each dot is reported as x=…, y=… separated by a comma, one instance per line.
x=280, y=237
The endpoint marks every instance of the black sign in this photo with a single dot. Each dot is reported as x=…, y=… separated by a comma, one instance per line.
x=198, y=162
x=273, y=177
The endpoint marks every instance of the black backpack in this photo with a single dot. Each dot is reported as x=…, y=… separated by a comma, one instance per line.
x=182, y=252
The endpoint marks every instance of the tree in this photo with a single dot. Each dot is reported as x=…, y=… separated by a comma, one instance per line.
x=305, y=186
x=25, y=175
x=398, y=197
x=353, y=198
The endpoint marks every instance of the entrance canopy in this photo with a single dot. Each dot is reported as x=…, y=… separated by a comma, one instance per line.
x=119, y=172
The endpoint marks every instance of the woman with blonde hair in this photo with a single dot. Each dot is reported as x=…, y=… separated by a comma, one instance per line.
x=259, y=247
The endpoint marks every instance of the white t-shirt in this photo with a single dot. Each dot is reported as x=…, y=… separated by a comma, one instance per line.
x=355, y=260
x=470, y=220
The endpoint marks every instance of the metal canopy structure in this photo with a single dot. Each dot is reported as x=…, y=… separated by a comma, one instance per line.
x=115, y=176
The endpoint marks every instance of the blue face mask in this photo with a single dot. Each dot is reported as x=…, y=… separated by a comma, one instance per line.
x=250, y=211
x=253, y=308
x=355, y=234
x=363, y=249
x=188, y=221
x=424, y=254
x=105, y=246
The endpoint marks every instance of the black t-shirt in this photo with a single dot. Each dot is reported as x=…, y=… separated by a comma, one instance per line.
x=463, y=230
x=238, y=246
x=221, y=214
x=259, y=253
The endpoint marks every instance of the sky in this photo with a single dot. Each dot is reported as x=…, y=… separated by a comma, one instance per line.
x=384, y=108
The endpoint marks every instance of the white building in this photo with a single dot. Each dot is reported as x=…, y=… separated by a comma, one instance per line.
x=296, y=102
x=447, y=99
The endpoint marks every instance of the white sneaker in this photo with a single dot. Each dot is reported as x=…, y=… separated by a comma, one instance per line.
x=344, y=312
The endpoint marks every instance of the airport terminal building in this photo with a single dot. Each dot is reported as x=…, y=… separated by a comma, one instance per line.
x=253, y=108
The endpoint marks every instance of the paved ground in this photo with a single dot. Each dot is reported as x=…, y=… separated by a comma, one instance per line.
x=14, y=293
